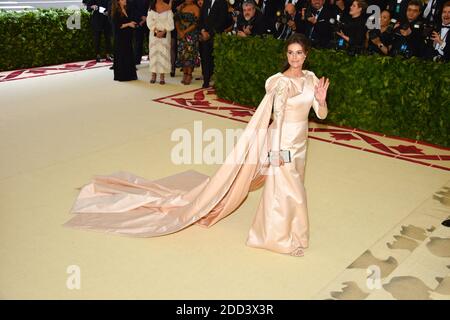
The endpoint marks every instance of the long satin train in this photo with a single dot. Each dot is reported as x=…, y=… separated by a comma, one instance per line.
x=126, y=204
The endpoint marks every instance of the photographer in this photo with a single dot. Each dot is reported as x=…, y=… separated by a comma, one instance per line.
x=397, y=8
x=340, y=8
x=287, y=23
x=318, y=28
x=380, y=40
x=408, y=38
x=269, y=9
x=232, y=15
x=438, y=48
x=251, y=21
x=354, y=29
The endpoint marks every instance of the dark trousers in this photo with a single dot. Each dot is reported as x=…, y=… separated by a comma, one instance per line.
x=97, y=35
x=140, y=34
x=207, y=59
x=173, y=51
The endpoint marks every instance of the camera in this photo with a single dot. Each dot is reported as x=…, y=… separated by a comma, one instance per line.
x=427, y=31
x=283, y=17
x=403, y=26
x=374, y=33
x=336, y=24
x=310, y=12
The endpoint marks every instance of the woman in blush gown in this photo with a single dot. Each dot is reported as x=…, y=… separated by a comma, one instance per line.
x=126, y=204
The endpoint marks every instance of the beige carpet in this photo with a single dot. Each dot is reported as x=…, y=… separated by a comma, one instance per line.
x=58, y=131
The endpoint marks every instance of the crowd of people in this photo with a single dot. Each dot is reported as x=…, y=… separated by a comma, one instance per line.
x=181, y=32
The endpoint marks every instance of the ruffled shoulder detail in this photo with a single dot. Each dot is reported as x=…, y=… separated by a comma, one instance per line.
x=279, y=83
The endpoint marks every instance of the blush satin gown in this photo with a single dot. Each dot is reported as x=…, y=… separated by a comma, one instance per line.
x=126, y=204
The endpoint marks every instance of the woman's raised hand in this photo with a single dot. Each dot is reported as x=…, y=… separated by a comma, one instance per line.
x=320, y=90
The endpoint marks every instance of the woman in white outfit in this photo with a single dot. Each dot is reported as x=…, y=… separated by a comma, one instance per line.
x=160, y=23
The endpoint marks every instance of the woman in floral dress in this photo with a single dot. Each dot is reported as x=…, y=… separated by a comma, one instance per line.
x=186, y=20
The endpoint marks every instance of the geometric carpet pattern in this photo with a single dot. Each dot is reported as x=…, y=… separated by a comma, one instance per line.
x=206, y=101
x=411, y=262
x=51, y=70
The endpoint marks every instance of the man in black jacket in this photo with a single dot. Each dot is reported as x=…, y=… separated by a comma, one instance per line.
x=438, y=46
x=288, y=23
x=251, y=22
x=432, y=12
x=213, y=20
x=269, y=10
x=140, y=8
x=318, y=27
x=408, y=33
x=100, y=25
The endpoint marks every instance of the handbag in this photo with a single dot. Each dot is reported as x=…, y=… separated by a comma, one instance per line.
x=285, y=155
x=165, y=35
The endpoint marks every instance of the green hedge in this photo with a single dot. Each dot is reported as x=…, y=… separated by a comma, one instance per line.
x=41, y=37
x=407, y=98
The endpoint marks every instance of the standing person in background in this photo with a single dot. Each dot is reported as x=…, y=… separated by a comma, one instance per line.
x=408, y=39
x=174, y=38
x=188, y=58
x=318, y=28
x=100, y=25
x=354, y=29
x=438, y=48
x=160, y=23
x=380, y=40
x=124, y=67
x=141, y=31
x=213, y=20
x=200, y=5
x=432, y=12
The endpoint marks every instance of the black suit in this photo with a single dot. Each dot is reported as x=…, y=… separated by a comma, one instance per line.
x=415, y=41
x=214, y=22
x=100, y=23
x=257, y=23
x=437, y=16
x=270, y=10
x=140, y=8
x=321, y=33
x=431, y=52
x=283, y=31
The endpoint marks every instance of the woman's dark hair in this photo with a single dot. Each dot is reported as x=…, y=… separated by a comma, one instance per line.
x=362, y=4
x=299, y=38
x=386, y=10
x=115, y=9
x=416, y=3
x=152, y=5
